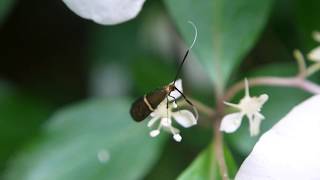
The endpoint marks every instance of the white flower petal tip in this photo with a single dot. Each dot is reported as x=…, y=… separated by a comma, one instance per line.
x=154, y=133
x=314, y=55
x=174, y=104
x=231, y=122
x=255, y=126
x=185, y=118
x=263, y=98
x=290, y=149
x=177, y=137
x=106, y=12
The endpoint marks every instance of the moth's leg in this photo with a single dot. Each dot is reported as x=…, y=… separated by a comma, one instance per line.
x=175, y=100
x=189, y=102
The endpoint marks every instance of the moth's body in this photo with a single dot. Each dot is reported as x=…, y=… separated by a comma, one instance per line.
x=146, y=104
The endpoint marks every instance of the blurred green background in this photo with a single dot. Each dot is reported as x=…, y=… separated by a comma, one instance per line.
x=66, y=85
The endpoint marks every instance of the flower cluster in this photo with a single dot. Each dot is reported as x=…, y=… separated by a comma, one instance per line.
x=166, y=114
x=248, y=106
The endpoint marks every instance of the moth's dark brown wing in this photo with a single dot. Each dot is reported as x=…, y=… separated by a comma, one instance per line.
x=156, y=97
x=139, y=110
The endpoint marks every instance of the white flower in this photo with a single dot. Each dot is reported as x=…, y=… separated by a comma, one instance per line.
x=248, y=106
x=184, y=117
x=314, y=54
x=290, y=149
x=106, y=12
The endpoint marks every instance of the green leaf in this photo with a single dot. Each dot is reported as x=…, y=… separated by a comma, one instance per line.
x=20, y=118
x=71, y=143
x=227, y=31
x=205, y=166
x=281, y=100
x=5, y=7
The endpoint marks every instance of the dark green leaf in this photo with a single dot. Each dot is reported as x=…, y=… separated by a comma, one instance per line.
x=307, y=15
x=227, y=30
x=205, y=166
x=71, y=143
x=20, y=119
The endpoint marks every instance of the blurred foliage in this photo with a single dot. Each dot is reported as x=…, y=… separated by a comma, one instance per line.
x=307, y=15
x=21, y=115
x=92, y=140
x=5, y=7
x=227, y=30
x=51, y=58
x=205, y=166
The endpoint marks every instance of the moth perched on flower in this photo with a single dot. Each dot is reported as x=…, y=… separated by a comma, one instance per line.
x=166, y=114
x=159, y=104
x=249, y=107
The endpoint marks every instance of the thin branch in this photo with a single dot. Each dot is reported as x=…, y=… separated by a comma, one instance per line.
x=295, y=82
x=218, y=141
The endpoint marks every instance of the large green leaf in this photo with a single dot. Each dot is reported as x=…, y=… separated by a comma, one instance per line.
x=20, y=118
x=93, y=140
x=227, y=30
x=205, y=166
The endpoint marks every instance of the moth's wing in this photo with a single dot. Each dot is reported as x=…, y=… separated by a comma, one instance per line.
x=139, y=110
x=156, y=97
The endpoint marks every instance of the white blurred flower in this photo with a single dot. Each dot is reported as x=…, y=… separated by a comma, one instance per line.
x=290, y=149
x=106, y=12
x=314, y=54
x=184, y=117
x=248, y=106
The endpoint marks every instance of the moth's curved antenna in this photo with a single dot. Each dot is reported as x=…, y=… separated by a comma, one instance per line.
x=195, y=34
x=187, y=52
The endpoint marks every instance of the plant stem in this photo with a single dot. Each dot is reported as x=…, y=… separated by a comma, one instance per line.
x=218, y=141
x=296, y=82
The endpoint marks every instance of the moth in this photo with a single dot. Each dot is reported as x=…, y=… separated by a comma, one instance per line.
x=143, y=106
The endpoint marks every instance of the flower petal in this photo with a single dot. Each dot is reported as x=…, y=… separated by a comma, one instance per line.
x=290, y=149
x=107, y=12
x=263, y=98
x=177, y=137
x=185, y=118
x=175, y=93
x=254, y=124
x=231, y=104
x=154, y=133
x=231, y=122
x=314, y=55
